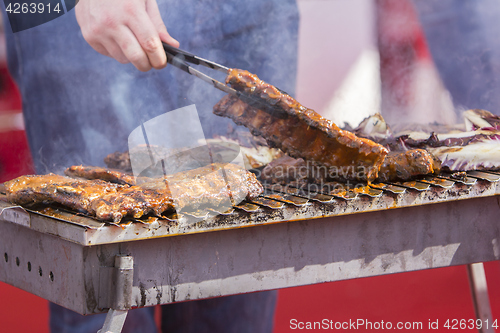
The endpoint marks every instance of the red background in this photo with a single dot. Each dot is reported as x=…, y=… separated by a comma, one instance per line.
x=437, y=294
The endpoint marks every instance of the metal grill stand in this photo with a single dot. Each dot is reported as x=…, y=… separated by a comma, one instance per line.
x=87, y=266
x=122, y=283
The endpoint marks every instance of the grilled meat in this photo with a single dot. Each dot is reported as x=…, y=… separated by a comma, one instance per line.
x=210, y=186
x=119, y=161
x=404, y=165
x=303, y=133
x=285, y=170
x=91, y=172
x=144, y=156
x=106, y=201
x=154, y=161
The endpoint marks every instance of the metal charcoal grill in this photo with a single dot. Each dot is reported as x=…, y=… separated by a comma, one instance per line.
x=89, y=266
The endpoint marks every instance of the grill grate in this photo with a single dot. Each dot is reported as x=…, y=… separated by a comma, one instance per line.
x=277, y=204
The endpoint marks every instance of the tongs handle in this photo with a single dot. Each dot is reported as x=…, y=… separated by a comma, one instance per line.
x=180, y=59
x=174, y=54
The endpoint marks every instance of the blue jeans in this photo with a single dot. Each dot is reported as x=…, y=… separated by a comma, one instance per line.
x=463, y=40
x=63, y=320
x=247, y=313
x=80, y=106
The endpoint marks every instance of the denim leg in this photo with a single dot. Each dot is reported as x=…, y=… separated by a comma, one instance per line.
x=63, y=320
x=463, y=40
x=247, y=313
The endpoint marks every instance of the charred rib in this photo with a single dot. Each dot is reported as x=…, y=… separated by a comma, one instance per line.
x=405, y=165
x=92, y=172
x=208, y=186
x=303, y=133
x=397, y=166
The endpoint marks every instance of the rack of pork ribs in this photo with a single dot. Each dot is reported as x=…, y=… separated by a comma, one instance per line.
x=110, y=195
x=326, y=151
x=303, y=134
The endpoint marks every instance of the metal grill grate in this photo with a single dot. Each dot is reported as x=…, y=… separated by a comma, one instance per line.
x=277, y=204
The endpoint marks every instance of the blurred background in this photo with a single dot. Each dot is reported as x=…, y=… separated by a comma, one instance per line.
x=356, y=58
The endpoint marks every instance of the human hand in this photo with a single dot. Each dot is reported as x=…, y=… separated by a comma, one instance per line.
x=126, y=30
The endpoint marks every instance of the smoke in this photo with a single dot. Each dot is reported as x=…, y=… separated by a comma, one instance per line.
x=80, y=106
x=412, y=90
x=441, y=57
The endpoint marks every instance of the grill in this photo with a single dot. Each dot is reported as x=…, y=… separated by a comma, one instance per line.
x=277, y=204
x=297, y=237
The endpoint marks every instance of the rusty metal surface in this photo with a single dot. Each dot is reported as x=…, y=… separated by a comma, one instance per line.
x=277, y=205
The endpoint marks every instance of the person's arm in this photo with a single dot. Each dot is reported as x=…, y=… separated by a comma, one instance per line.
x=126, y=30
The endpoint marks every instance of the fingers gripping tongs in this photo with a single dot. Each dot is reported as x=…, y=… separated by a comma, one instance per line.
x=180, y=59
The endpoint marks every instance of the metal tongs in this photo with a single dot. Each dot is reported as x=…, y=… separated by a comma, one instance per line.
x=180, y=59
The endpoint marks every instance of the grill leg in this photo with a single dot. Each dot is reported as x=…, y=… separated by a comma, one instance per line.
x=114, y=321
x=479, y=289
x=122, y=297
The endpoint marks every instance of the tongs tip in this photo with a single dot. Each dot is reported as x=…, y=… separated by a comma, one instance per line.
x=180, y=59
